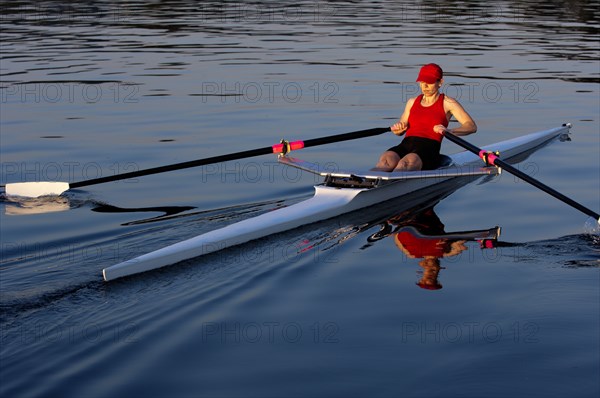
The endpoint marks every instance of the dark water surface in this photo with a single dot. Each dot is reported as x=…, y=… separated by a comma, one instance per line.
x=96, y=88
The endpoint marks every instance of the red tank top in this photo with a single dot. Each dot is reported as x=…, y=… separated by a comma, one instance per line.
x=420, y=247
x=422, y=119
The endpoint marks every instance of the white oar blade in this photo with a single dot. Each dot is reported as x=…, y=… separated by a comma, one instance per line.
x=36, y=189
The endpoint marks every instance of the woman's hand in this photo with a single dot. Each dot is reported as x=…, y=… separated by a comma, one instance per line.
x=399, y=128
x=440, y=129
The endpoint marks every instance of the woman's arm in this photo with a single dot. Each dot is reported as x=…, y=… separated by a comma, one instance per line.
x=402, y=125
x=467, y=124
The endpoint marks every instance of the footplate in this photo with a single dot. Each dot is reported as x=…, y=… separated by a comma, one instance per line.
x=351, y=182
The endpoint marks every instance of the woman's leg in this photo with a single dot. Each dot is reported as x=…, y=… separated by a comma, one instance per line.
x=387, y=162
x=411, y=162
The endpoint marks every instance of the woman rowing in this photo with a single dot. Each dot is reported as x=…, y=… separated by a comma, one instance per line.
x=425, y=119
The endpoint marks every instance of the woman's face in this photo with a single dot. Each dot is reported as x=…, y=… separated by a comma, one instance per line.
x=430, y=89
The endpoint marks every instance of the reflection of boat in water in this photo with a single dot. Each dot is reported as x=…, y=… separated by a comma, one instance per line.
x=342, y=192
x=422, y=236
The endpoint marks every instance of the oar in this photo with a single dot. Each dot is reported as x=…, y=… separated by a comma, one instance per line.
x=36, y=189
x=493, y=159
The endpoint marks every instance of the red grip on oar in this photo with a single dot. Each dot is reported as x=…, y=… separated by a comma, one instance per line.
x=291, y=146
x=487, y=244
x=488, y=157
x=296, y=145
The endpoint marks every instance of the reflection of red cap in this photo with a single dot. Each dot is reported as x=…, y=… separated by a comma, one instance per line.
x=430, y=74
x=426, y=286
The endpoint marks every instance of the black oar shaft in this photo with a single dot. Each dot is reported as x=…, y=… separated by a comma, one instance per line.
x=172, y=167
x=229, y=157
x=346, y=137
x=547, y=189
x=514, y=171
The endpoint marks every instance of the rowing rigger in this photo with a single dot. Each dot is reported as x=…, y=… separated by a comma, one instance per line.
x=341, y=192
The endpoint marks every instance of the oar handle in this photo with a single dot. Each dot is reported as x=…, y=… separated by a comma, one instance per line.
x=493, y=159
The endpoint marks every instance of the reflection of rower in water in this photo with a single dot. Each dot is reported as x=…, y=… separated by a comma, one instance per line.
x=423, y=236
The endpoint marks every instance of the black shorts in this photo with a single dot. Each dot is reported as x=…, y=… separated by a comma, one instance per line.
x=428, y=150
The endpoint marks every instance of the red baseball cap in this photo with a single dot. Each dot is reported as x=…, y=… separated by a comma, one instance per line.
x=436, y=286
x=430, y=74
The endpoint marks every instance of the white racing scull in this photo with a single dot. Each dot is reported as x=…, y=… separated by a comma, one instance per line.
x=342, y=192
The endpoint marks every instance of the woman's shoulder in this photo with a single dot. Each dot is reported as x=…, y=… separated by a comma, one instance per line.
x=450, y=99
x=451, y=102
x=413, y=99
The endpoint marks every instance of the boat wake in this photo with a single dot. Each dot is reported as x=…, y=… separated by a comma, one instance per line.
x=20, y=206
x=60, y=266
x=572, y=251
x=60, y=270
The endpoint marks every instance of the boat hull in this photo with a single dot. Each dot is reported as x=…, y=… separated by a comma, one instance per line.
x=327, y=202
